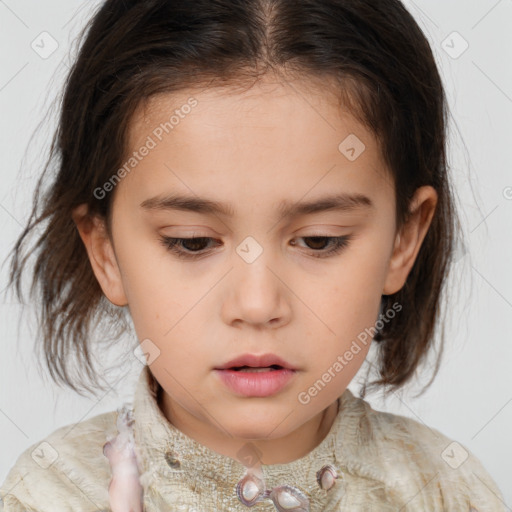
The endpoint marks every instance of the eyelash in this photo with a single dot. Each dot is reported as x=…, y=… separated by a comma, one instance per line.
x=171, y=244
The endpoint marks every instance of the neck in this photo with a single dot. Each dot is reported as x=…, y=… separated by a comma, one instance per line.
x=280, y=450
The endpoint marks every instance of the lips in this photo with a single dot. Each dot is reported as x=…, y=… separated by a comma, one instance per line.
x=256, y=361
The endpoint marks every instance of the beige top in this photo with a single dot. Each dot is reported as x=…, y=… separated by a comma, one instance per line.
x=369, y=461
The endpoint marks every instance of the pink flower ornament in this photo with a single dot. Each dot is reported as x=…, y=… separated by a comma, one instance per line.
x=125, y=490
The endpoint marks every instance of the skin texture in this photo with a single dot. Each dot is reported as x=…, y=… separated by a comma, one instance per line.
x=253, y=149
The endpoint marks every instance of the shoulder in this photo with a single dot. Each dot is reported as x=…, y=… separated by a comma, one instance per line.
x=417, y=464
x=64, y=471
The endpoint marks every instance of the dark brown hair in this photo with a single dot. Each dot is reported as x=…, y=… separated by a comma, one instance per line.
x=385, y=74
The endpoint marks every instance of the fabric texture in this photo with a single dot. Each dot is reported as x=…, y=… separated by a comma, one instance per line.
x=369, y=461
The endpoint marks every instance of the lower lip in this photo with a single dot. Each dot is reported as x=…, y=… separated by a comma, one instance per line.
x=257, y=384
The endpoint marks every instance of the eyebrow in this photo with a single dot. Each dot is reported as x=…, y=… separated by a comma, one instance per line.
x=287, y=209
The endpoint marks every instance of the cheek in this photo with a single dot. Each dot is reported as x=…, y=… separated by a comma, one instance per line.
x=344, y=336
x=347, y=312
x=354, y=284
x=157, y=294
x=347, y=301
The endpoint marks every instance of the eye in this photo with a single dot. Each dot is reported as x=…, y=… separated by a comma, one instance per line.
x=174, y=245
x=336, y=244
x=192, y=248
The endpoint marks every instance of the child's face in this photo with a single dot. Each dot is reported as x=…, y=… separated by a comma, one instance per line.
x=257, y=288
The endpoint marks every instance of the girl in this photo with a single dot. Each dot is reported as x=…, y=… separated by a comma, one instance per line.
x=263, y=186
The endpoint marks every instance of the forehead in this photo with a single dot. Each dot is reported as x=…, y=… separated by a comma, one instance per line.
x=268, y=137
x=268, y=104
x=266, y=88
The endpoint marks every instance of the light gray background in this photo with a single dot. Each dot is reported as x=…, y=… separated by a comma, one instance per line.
x=470, y=401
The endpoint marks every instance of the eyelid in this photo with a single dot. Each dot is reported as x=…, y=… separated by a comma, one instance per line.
x=338, y=243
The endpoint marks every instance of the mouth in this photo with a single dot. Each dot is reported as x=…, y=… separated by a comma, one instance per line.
x=251, y=369
x=256, y=363
x=255, y=380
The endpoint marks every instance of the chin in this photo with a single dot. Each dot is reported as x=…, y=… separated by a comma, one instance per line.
x=260, y=425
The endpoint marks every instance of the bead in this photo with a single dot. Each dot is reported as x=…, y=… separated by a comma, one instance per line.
x=326, y=477
x=287, y=498
x=171, y=459
x=250, y=490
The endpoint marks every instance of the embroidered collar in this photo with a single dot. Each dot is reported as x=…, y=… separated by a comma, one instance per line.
x=176, y=467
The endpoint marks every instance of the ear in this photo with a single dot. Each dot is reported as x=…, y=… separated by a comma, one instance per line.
x=408, y=241
x=101, y=254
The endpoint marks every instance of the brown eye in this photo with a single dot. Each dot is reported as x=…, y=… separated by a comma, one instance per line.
x=318, y=244
x=191, y=248
x=186, y=247
x=193, y=244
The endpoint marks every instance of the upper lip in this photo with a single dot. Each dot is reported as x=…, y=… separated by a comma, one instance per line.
x=256, y=361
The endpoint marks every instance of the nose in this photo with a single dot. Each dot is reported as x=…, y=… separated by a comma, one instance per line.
x=256, y=294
